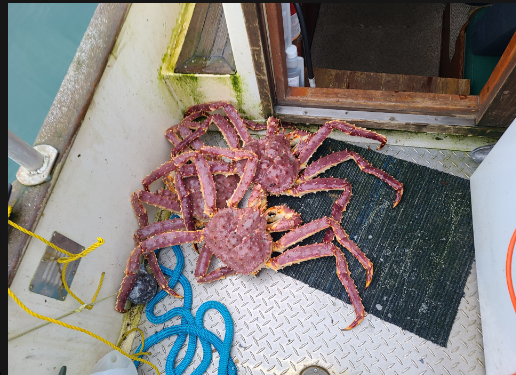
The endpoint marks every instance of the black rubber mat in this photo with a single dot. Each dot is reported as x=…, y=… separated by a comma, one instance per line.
x=422, y=250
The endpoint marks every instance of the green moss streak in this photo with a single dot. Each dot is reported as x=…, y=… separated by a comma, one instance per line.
x=168, y=62
x=236, y=83
x=187, y=88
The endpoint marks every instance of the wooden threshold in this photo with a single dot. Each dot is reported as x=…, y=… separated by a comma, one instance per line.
x=346, y=79
x=389, y=120
x=376, y=100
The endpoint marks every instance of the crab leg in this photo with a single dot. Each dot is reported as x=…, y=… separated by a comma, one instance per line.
x=249, y=171
x=147, y=248
x=155, y=199
x=335, y=158
x=302, y=253
x=254, y=125
x=219, y=273
x=317, y=139
x=131, y=275
x=272, y=125
x=202, y=265
x=166, y=168
x=182, y=129
x=171, y=135
x=190, y=137
x=298, y=139
x=321, y=184
x=282, y=218
x=170, y=239
x=184, y=199
x=158, y=275
x=216, y=167
x=346, y=280
x=315, y=226
x=227, y=131
x=203, y=262
x=189, y=122
x=139, y=210
x=207, y=184
x=159, y=227
x=258, y=197
x=231, y=112
x=324, y=184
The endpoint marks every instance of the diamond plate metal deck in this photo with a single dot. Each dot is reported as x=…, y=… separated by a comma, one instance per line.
x=283, y=325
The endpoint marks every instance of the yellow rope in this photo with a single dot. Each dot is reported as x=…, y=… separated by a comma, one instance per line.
x=65, y=260
x=143, y=340
x=77, y=310
x=30, y=312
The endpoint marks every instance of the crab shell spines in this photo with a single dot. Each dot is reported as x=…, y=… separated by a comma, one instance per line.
x=278, y=167
x=240, y=239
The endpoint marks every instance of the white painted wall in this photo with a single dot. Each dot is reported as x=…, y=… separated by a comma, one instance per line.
x=120, y=141
x=493, y=199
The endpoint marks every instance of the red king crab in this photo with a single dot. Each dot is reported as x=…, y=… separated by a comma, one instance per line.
x=271, y=165
x=241, y=238
x=281, y=157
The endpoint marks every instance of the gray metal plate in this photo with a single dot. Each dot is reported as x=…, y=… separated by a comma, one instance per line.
x=282, y=325
x=47, y=279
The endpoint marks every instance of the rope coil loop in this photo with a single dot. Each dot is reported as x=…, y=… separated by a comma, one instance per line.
x=190, y=325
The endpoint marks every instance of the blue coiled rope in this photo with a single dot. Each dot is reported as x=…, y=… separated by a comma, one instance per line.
x=190, y=325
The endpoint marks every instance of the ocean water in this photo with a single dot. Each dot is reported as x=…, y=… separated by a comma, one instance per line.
x=42, y=41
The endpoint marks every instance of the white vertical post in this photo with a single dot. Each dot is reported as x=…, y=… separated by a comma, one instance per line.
x=243, y=58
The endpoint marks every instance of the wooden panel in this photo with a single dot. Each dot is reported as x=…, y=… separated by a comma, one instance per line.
x=444, y=64
x=391, y=101
x=61, y=124
x=207, y=48
x=448, y=86
x=344, y=79
x=498, y=96
x=253, y=19
x=276, y=43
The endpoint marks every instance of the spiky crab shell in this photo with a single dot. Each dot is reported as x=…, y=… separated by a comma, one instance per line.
x=278, y=167
x=239, y=238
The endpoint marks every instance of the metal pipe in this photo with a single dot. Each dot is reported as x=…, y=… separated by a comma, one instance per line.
x=23, y=154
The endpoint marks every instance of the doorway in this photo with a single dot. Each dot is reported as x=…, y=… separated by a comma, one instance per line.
x=391, y=94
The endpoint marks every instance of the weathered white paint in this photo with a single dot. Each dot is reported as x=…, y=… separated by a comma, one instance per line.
x=243, y=59
x=120, y=141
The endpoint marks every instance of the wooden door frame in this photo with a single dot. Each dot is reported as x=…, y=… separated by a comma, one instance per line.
x=427, y=112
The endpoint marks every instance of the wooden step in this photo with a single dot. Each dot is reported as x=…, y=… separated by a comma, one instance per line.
x=345, y=79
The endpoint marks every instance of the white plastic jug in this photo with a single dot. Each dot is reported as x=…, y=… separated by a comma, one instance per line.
x=114, y=363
